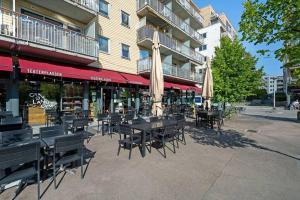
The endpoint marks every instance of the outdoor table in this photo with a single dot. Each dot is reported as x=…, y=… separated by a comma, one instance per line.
x=149, y=127
x=210, y=117
x=4, y=126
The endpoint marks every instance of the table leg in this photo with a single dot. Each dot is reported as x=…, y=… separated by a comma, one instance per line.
x=143, y=143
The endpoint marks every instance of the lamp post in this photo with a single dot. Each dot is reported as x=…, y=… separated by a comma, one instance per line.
x=274, y=91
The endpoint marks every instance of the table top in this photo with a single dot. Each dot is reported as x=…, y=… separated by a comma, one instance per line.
x=144, y=126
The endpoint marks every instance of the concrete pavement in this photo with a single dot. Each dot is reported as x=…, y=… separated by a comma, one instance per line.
x=255, y=156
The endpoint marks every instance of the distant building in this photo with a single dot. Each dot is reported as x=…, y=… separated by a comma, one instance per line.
x=272, y=83
x=291, y=90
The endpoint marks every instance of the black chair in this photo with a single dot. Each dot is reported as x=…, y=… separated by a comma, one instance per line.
x=6, y=114
x=202, y=119
x=67, y=121
x=114, y=123
x=67, y=149
x=154, y=119
x=103, y=118
x=11, y=123
x=80, y=126
x=180, y=130
x=219, y=118
x=128, y=117
x=168, y=134
x=138, y=120
x=51, y=117
x=20, y=162
x=52, y=131
x=130, y=139
x=10, y=137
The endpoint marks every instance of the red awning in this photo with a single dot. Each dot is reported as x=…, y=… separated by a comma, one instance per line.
x=6, y=63
x=135, y=79
x=177, y=86
x=67, y=71
x=196, y=89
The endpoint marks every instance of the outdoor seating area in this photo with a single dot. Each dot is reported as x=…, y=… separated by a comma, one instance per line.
x=59, y=143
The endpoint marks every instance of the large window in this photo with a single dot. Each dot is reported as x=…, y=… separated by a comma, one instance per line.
x=103, y=44
x=41, y=17
x=125, y=51
x=103, y=7
x=124, y=18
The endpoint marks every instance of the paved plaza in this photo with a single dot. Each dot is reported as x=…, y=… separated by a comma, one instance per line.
x=255, y=156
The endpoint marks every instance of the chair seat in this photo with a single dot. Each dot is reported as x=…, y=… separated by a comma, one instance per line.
x=67, y=159
x=136, y=140
x=20, y=174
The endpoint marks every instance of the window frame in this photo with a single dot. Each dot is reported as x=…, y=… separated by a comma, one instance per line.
x=108, y=44
x=103, y=13
x=122, y=56
x=126, y=14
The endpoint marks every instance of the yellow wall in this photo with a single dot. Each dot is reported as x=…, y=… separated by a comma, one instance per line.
x=111, y=28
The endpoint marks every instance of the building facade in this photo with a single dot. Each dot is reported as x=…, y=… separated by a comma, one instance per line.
x=216, y=26
x=291, y=89
x=273, y=83
x=93, y=51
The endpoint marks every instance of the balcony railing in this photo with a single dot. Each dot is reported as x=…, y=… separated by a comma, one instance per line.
x=191, y=10
x=40, y=32
x=144, y=65
x=171, y=17
x=89, y=4
x=146, y=32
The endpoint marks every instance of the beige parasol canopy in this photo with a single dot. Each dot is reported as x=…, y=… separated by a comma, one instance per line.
x=156, y=77
x=208, y=89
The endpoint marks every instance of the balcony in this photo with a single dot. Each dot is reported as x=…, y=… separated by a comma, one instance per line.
x=168, y=45
x=169, y=71
x=196, y=20
x=165, y=15
x=81, y=10
x=34, y=36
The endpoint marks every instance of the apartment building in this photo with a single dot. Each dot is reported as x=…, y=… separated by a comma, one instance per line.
x=273, y=83
x=290, y=87
x=92, y=51
x=216, y=26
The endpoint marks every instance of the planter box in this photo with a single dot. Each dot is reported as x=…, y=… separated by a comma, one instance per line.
x=36, y=115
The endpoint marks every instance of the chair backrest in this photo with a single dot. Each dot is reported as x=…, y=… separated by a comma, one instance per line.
x=154, y=119
x=129, y=116
x=181, y=123
x=4, y=114
x=66, y=143
x=80, y=123
x=12, y=120
x=115, y=119
x=138, y=120
x=19, y=154
x=10, y=137
x=51, y=131
x=126, y=130
x=101, y=116
x=202, y=115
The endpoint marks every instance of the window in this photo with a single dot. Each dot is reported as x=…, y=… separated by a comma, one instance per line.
x=125, y=51
x=204, y=35
x=103, y=44
x=103, y=7
x=124, y=18
x=40, y=17
x=203, y=47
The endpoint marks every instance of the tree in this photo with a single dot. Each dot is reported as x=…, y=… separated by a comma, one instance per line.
x=272, y=21
x=234, y=73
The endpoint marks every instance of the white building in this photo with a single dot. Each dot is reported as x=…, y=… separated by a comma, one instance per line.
x=216, y=26
x=272, y=83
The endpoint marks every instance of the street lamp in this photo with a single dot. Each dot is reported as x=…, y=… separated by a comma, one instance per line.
x=274, y=91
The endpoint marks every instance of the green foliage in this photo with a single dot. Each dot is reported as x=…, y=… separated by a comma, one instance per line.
x=234, y=73
x=296, y=75
x=258, y=94
x=50, y=91
x=280, y=97
x=272, y=21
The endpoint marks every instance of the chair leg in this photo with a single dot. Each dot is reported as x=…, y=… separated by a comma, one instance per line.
x=38, y=185
x=173, y=141
x=119, y=149
x=54, y=175
x=183, y=137
x=81, y=166
x=163, y=143
x=130, y=151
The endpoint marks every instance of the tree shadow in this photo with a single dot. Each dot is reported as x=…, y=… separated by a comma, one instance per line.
x=276, y=118
x=228, y=139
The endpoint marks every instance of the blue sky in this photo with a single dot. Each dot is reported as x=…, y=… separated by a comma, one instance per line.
x=233, y=10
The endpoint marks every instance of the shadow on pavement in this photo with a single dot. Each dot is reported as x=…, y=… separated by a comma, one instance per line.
x=286, y=119
x=227, y=139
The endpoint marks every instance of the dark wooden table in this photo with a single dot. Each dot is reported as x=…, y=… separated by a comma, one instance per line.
x=150, y=126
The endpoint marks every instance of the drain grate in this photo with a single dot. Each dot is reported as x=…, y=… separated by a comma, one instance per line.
x=251, y=131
